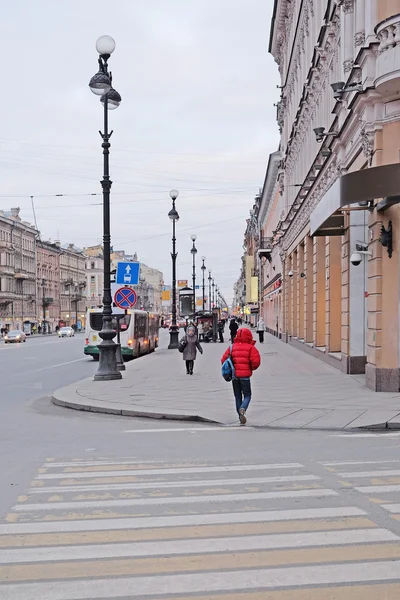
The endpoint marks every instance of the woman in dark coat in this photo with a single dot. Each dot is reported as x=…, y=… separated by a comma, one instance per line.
x=192, y=344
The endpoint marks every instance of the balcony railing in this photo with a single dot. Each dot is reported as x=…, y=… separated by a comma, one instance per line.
x=387, y=78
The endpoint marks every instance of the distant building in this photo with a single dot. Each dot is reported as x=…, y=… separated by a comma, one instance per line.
x=17, y=270
x=72, y=285
x=48, y=284
x=94, y=266
x=151, y=281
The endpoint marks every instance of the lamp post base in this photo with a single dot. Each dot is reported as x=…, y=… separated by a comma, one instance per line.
x=173, y=338
x=108, y=369
x=120, y=360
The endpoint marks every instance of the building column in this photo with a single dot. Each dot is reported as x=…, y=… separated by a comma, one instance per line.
x=285, y=299
x=371, y=20
x=359, y=35
x=319, y=292
x=382, y=370
x=300, y=269
x=356, y=301
x=295, y=308
x=289, y=327
x=333, y=294
x=347, y=36
x=308, y=289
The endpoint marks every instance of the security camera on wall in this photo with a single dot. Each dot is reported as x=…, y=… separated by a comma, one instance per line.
x=356, y=259
x=290, y=274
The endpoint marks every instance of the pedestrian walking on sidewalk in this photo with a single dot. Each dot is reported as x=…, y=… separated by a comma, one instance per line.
x=190, y=344
x=221, y=327
x=260, y=329
x=233, y=327
x=246, y=359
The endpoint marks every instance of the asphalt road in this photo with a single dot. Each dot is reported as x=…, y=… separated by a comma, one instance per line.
x=84, y=483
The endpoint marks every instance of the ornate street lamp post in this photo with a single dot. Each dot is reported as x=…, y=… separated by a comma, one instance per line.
x=194, y=252
x=209, y=290
x=213, y=293
x=203, y=268
x=101, y=85
x=174, y=329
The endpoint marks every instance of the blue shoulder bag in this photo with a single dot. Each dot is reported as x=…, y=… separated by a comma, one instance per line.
x=228, y=370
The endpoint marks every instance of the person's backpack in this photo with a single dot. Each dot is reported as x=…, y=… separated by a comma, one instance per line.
x=228, y=370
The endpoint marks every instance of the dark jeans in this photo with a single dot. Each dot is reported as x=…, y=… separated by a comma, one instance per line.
x=221, y=335
x=189, y=366
x=261, y=336
x=242, y=391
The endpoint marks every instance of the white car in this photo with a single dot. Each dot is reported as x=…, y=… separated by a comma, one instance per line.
x=66, y=332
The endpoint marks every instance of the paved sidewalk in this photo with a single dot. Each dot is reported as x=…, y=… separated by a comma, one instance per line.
x=290, y=390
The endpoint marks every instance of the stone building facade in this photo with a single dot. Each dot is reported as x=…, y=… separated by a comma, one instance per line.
x=339, y=178
x=17, y=270
x=72, y=286
x=48, y=284
x=94, y=276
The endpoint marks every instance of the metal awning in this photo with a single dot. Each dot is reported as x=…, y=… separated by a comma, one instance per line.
x=352, y=188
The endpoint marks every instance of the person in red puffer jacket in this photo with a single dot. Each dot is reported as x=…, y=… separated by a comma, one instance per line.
x=246, y=359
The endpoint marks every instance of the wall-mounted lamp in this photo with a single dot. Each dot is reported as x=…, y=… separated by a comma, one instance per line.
x=339, y=88
x=320, y=134
x=386, y=238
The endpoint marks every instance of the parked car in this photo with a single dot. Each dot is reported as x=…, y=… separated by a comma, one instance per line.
x=66, y=332
x=14, y=337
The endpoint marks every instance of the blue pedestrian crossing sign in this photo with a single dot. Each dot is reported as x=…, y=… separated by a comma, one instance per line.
x=128, y=273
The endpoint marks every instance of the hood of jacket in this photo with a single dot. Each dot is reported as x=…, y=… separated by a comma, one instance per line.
x=244, y=336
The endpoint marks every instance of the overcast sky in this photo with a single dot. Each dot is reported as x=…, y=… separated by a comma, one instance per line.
x=198, y=88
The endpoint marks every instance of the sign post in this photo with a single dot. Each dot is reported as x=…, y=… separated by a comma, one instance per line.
x=120, y=360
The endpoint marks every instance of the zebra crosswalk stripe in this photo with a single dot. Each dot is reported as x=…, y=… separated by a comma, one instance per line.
x=221, y=532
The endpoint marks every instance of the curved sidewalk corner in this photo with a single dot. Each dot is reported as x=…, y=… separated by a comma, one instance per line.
x=291, y=390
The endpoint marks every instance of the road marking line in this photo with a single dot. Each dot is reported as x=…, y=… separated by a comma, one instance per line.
x=365, y=435
x=206, y=562
x=189, y=532
x=196, y=546
x=194, y=499
x=190, y=583
x=392, y=508
x=70, y=362
x=170, y=484
x=355, y=475
x=359, y=462
x=178, y=471
x=378, y=489
x=181, y=520
x=102, y=463
x=191, y=429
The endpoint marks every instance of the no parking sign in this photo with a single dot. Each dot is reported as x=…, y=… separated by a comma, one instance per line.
x=125, y=298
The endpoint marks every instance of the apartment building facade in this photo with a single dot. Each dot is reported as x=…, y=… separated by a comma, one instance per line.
x=339, y=177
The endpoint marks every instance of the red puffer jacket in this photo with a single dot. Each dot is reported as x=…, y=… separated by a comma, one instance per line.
x=245, y=357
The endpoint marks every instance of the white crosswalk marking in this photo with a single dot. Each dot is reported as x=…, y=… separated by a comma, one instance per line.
x=383, y=478
x=124, y=529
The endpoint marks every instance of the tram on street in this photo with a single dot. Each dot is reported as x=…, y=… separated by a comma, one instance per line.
x=138, y=332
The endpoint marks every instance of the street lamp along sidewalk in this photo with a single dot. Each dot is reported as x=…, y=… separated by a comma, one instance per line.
x=101, y=85
x=174, y=329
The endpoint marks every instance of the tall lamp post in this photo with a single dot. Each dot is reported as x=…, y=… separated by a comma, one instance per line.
x=174, y=329
x=194, y=252
x=213, y=293
x=203, y=268
x=101, y=85
x=209, y=290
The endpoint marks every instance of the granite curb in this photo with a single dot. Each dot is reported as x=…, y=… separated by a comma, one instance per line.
x=62, y=398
